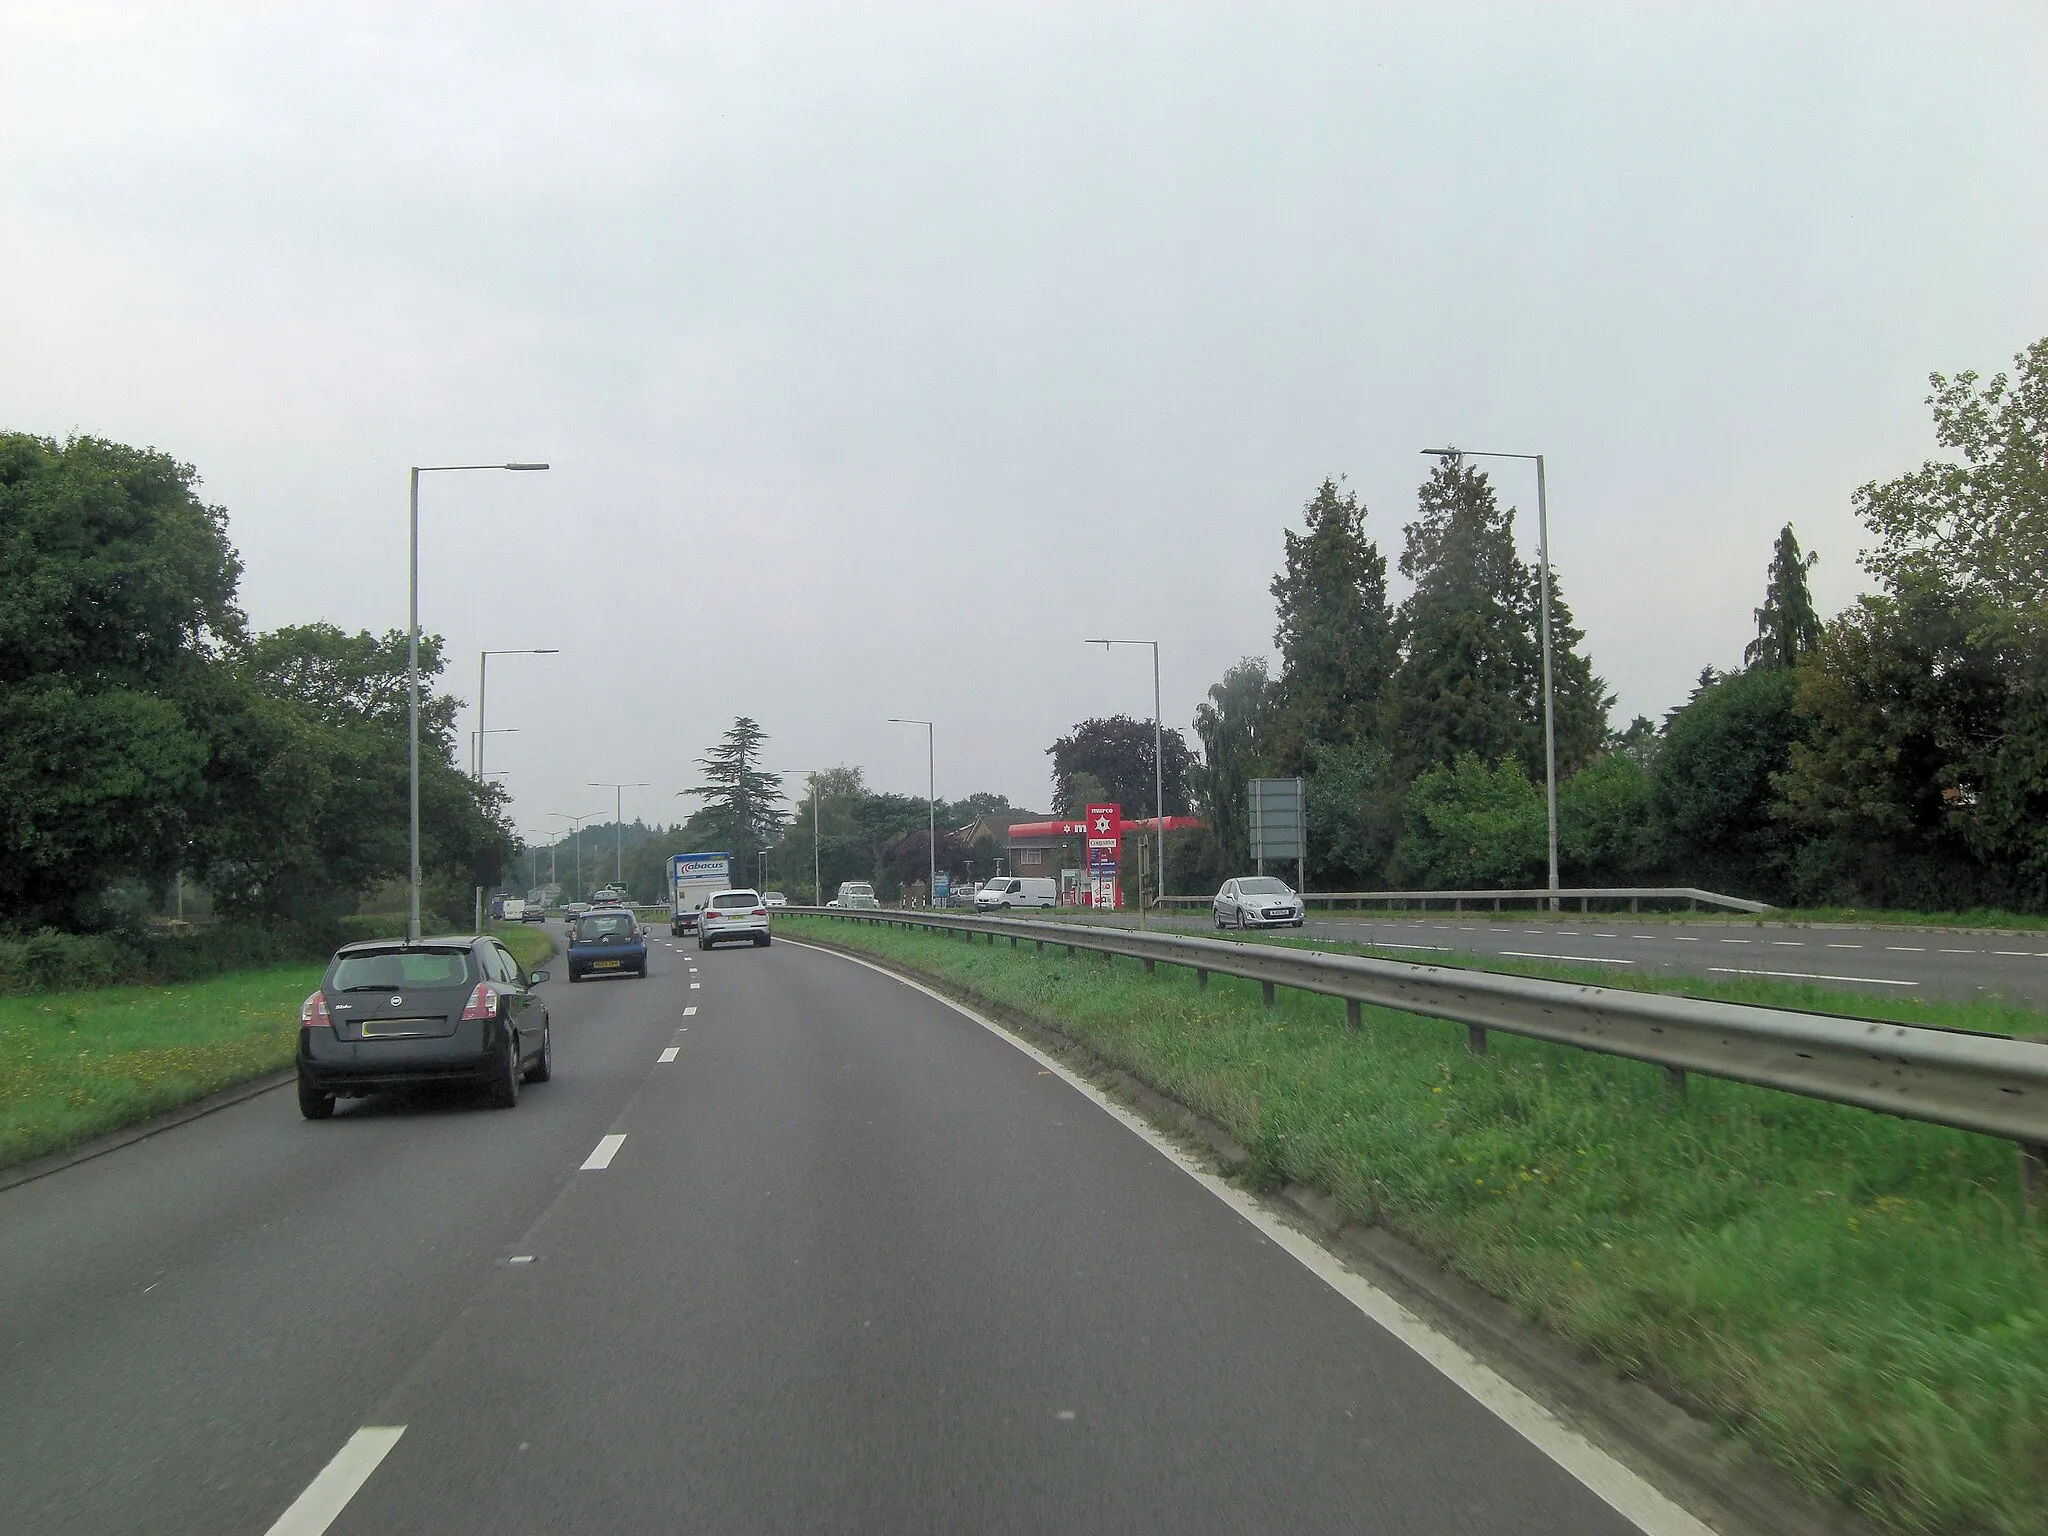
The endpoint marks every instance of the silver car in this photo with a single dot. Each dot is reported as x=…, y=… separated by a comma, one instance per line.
x=732, y=917
x=1258, y=901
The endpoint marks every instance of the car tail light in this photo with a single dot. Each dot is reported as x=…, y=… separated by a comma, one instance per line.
x=483, y=1003
x=760, y=911
x=313, y=1013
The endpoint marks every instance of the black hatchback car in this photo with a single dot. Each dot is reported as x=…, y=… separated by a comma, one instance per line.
x=391, y=1014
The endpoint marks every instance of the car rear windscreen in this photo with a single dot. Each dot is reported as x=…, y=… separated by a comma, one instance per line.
x=605, y=925
x=395, y=969
x=733, y=900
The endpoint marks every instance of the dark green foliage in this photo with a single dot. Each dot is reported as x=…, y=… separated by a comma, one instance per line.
x=1353, y=807
x=1335, y=634
x=1469, y=826
x=53, y=961
x=1787, y=627
x=1471, y=674
x=742, y=801
x=1713, y=792
x=117, y=593
x=1233, y=724
x=1116, y=754
x=1604, y=834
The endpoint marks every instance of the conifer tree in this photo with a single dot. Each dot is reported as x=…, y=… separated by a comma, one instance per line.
x=1470, y=679
x=1787, y=628
x=1335, y=629
x=741, y=799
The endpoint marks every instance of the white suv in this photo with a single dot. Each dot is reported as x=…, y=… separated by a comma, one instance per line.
x=731, y=916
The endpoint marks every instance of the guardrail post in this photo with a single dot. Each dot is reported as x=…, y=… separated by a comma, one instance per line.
x=1041, y=945
x=1635, y=903
x=1149, y=965
x=1070, y=951
x=1201, y=979
x=1266, y=993
x=1674, y=1085
x=1013, y=941
x=1475, y=1039
x=1353, y=1013
x=2034, y=1177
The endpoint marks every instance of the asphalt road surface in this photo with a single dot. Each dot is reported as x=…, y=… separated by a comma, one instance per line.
x=1911, y=962
x=820, y=1255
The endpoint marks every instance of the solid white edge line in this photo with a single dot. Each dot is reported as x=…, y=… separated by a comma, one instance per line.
x=668, y=1054
x=1872, y=981
x=602, y=1154
x=328, y=1494
x=1614, y=1484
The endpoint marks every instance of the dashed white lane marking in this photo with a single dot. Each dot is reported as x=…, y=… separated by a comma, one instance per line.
x=1607, y=1479
x=695, y=985
x=1735, y=941
x=1870, y=981
x=1685, y=938
x=1845, y=946
x=668, y=1054
x=1958, y=951
x=607, y=1148
x=1524, y=954
x=1788, y=943
x=1907, y=949
x=2028, y=953
x=690, y=1012
x=328, y=1494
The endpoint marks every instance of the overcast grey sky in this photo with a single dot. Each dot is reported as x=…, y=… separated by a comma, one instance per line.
x=883, y=353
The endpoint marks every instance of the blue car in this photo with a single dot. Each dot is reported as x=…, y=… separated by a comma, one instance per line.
x=606, y=942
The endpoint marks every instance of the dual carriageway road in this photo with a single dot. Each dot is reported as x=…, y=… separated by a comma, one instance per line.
x=786, y=1245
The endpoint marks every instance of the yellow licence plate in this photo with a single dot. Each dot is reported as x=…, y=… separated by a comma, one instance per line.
x=603, y=965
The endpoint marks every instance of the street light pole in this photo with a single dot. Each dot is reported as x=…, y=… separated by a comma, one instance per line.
x=577, y=822
x=618, y=823
x=931, y=800
x=1158, y=759
x=817, y=866
x=412, y=682
x=1549, y=698
x=483, y=678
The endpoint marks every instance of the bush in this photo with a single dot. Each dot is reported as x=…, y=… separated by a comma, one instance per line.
x=52, y=961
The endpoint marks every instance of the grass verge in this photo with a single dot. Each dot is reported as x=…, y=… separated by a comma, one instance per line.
x=74, y=1065
x=1860, y=1298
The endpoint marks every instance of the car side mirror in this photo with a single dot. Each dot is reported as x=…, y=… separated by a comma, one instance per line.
x=535, y=978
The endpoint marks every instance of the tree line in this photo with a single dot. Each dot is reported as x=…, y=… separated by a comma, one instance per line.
x=147, y=734
x=1893, y=755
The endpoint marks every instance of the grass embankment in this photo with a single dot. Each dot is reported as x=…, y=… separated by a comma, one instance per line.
x=74, y=1065
x=1860, y=1298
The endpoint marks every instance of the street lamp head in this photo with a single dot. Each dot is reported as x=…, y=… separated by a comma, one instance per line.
x=526, y=467
x=1439, y=453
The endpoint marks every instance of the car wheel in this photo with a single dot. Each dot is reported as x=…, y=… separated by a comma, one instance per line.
x=314, y=1104
x=575, y=976
x=642, y=972
x=761, y=942
x=504, y=1080
x=543, y=1069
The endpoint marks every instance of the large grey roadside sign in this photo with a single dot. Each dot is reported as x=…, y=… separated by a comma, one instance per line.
x=1278, y=830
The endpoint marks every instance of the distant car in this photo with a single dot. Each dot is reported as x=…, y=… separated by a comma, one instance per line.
x=390, y=1014
x=1007, y=891
x=534, y=913
x=512, y=909
x=733, y=915
x=1258, y=901
x=606, y=941
x=855, y=893
x=773, y=899
x=574, y=910
x=832, y=903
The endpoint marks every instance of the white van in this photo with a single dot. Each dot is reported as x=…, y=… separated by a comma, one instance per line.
x=1012, y=891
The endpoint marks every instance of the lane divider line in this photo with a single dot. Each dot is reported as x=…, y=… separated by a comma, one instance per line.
x=328, y=1494
x=667, y=1055
x=1526, y=954
x=1870, y=981
x=1611, y=1481
x=690, y=1012
x=601, y=1156
x=695, y=985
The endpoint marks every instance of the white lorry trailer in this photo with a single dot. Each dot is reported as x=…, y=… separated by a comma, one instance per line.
x=693, y=879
